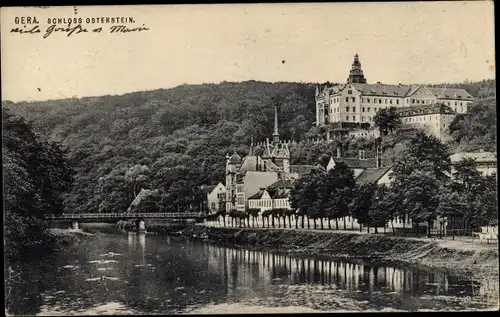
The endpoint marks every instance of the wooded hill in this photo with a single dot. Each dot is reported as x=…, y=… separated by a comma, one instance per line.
x=176, y=139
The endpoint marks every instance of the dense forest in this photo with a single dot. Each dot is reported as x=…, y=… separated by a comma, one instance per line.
x=36, y=175
x=176, y=140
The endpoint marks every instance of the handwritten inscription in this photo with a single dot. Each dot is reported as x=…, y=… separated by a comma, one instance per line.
x=76, y=29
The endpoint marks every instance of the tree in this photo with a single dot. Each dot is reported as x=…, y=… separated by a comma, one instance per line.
x=37, y=175
x=418, y=174
x=254, y=213
x=335, y=192
x=304, y=195
x=387, y=120
x=361, y=204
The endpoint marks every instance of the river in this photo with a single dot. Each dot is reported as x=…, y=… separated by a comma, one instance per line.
x=148, y=274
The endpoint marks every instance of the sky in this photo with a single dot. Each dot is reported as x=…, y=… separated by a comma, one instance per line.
x=406, y=42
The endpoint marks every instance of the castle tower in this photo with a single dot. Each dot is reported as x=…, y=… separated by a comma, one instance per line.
x=356, y=73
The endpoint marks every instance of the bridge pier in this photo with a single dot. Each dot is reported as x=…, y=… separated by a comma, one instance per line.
x=75, y=225
x=140, y=226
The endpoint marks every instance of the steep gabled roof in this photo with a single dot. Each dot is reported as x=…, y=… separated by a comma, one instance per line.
x=303, y=169
x=287, y=183
x=354, y=162
x=208, y=189
x=372, y=175
x=258, y=195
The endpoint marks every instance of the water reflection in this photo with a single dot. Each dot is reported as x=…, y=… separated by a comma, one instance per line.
x=154, y=274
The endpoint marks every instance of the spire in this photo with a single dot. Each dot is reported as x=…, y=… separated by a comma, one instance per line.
x=276, y=135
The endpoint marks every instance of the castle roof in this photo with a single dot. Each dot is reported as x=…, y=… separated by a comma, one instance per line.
x=385, y=90
x=435, y=108
x=451, y=93
x=382, y=90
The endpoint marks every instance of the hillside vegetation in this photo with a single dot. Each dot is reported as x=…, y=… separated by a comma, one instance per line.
x=176, y=139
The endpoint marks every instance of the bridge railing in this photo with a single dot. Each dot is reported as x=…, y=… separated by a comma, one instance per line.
x=128, y=215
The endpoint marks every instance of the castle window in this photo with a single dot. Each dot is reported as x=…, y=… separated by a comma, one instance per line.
x=347, y=109
x=379, y=100
x=346, y=99
x=353, y=109
x=363, y=109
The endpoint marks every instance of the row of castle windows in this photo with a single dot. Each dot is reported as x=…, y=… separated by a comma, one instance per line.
x=363, y=109
x=396, y=101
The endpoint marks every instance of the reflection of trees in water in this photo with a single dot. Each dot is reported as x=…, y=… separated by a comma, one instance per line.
x=191, y=273
x=180, y=279
x=371, y=280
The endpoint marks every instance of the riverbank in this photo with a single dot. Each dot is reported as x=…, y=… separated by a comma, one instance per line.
x=451, y=255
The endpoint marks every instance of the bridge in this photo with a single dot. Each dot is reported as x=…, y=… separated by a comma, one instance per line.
x=139, y=217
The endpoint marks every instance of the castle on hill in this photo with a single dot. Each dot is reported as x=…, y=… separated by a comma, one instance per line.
x=356, y=103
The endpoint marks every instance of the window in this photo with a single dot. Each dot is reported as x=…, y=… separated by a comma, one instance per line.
x=213, y=206
x=349, y=92
x=379, y=100
x=346, y=99
x=347, y=109
x=353, y=99
x=368, y=99
x=363, y=99
x=353, y=118
x=362, y=118
x=363, y=109
x=353, y=109
x=368, y=109
x=397, y=101
x=413, y=101
x=346, y=118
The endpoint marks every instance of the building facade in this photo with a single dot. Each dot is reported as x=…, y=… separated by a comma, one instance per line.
x=248, y=175
x=358, y=102
x=215, y=197
x=486, y=162
x=435, y=119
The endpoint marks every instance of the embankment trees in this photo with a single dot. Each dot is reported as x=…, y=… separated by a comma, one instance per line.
x=36, y=179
